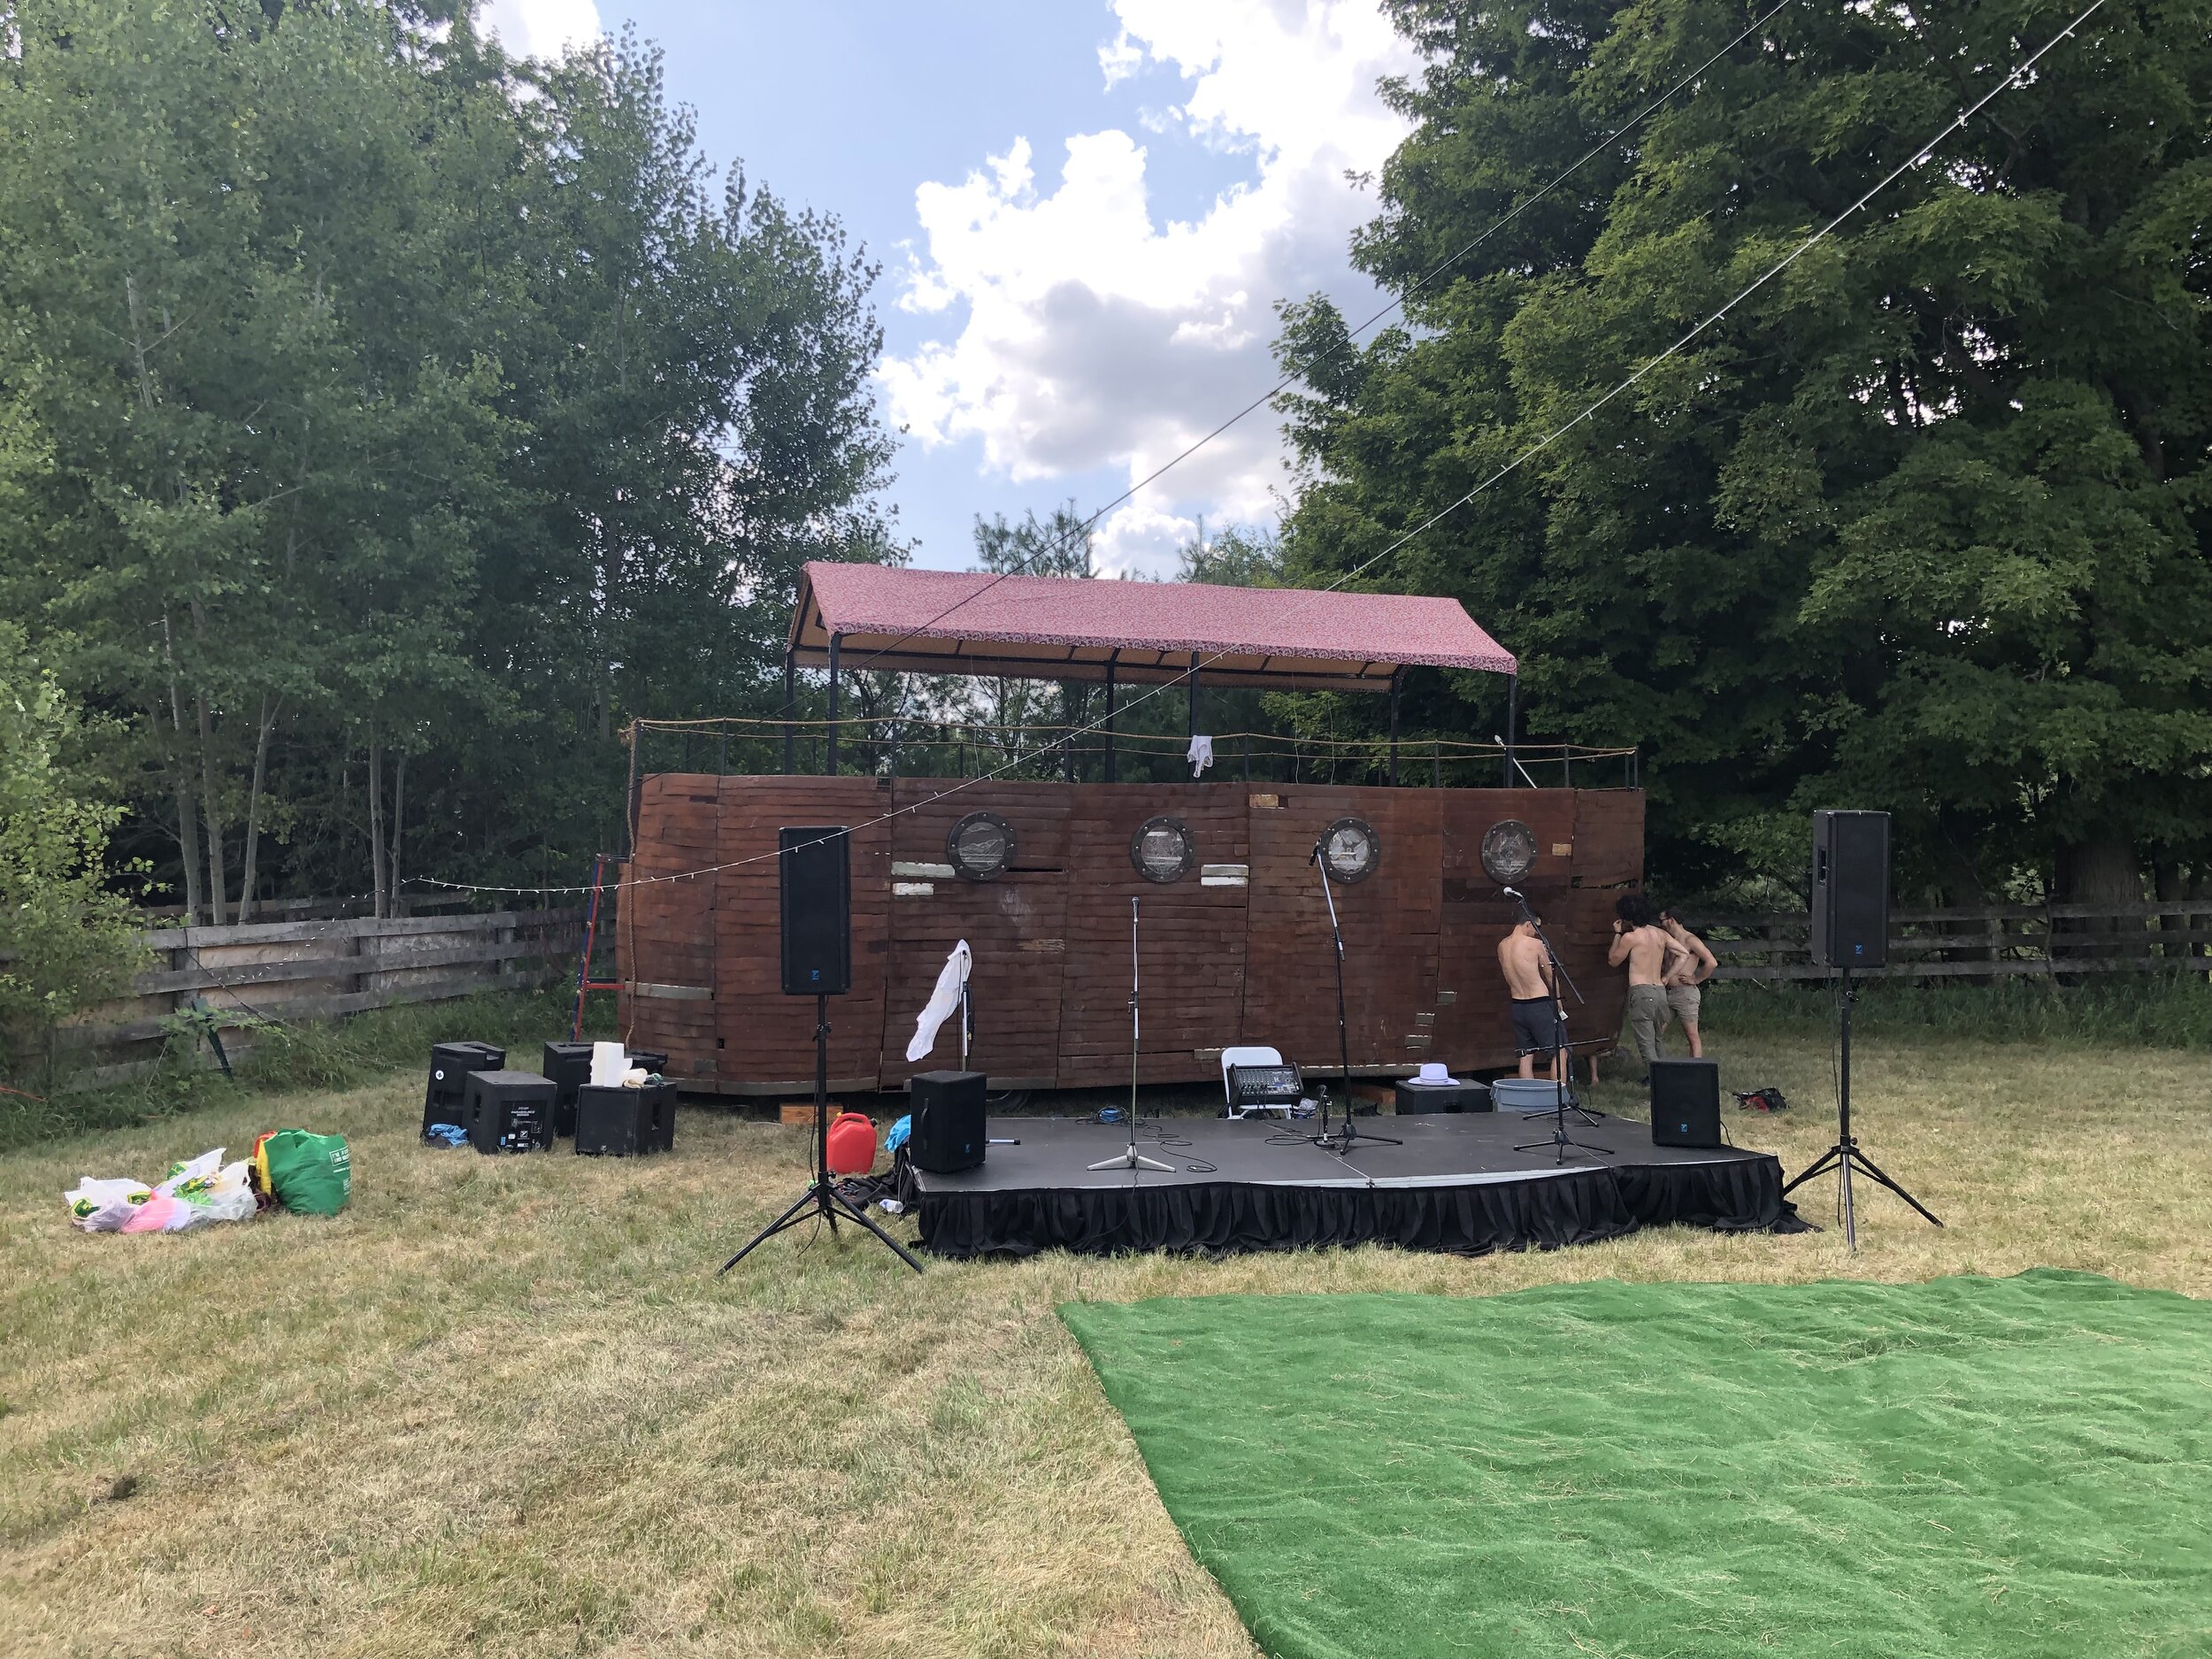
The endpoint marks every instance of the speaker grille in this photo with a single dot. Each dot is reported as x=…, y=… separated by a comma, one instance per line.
x=816, y=906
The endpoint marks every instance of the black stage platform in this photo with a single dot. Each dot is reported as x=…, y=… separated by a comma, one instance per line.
x=1456, y=1185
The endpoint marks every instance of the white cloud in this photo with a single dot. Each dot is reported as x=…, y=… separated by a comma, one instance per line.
x=1090, y=334
x=541, y=28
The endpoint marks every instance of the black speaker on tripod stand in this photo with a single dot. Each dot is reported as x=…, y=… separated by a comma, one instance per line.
x=814, y=868
x=1850, y=929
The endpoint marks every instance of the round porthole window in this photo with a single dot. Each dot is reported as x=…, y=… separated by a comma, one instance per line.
x=1162, y=849
x=1349, y=851
x=1509, y=851
x=980, y=847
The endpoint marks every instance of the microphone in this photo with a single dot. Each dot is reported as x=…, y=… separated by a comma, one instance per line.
x=1510, y=893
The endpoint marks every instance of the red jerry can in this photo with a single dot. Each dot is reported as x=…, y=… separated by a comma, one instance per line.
x=852, y=1144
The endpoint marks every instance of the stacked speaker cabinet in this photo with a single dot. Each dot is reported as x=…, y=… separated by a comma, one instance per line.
x=1850, y=921
x=623, y=1123
x=444, y=1100
x=568, y=1066
x=510, y=1111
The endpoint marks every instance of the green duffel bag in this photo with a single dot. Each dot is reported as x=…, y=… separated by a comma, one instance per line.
x=305, y=1171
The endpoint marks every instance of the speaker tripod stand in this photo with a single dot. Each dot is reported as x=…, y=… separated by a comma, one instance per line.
x=1845, y=1155
x=821, y=1200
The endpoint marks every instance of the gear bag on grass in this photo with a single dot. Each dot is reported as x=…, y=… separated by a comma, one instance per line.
x=305, y=1171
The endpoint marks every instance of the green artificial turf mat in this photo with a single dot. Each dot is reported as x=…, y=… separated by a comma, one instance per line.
x=2016, y=1467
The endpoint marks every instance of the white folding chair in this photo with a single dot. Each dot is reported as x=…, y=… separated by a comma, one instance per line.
x=1252, y=1055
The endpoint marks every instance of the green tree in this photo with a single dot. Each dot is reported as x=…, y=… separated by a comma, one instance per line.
x=68, y=935
x=1923, y=524
x=408, y=420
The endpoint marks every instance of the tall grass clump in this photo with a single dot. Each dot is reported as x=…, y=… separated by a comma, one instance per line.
x=2151, y=1010
x=278, y=1058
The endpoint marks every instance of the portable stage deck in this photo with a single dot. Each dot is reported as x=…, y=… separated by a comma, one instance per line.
x=1456, y=1185
x=1235, y=950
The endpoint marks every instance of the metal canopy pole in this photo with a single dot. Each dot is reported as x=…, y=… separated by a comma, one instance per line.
x=1512, y=716
x=831, y=768
x=1396, y=677
x=1112, y=663
x=1190, y=700
x=790, y=704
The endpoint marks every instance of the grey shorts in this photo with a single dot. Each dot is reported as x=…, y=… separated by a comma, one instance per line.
x=1535, y=1024
x=1685, y=1001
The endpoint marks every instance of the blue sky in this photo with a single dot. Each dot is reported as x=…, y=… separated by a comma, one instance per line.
x=1084, y=211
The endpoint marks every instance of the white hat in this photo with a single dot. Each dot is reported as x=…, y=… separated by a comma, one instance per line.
x=1434, y=1072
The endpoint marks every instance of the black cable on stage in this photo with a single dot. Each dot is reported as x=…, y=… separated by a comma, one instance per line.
x=1305, y=593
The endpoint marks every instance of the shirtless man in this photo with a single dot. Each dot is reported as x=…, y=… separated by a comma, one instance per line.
x=1645, y=948
x=1527, y=970
x=1688, y=970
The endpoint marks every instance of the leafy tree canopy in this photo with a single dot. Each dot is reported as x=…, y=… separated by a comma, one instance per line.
x=1923, y=524
x=391, y=422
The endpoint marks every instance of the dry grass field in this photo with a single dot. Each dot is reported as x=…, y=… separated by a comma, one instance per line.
x=505, y=1407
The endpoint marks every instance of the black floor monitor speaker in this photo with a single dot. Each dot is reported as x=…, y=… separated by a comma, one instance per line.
x=1685, y=1103
x=1850, y=890
x=817, y=891
x=947, y=1132
x=450, y=1063
x=510, y=1111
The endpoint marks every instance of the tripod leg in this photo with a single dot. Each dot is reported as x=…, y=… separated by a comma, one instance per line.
x=790, y=1217
x=1868, y=1164
x=1829, y=1159
x=838, y=1201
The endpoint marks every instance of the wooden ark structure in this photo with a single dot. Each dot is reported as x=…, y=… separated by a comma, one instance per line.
x=1234, y=936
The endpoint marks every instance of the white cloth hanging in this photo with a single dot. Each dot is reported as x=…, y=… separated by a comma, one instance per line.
x=1202, y=753
x=944, y=1001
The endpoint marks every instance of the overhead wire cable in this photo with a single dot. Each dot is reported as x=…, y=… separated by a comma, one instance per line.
x=1351, y=337
x=1956, y=124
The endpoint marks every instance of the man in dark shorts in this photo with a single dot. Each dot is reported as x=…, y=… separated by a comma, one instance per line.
x=1527, y=970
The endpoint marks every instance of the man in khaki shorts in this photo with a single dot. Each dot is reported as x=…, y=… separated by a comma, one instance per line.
x=1685, y=974
x=1646, y=949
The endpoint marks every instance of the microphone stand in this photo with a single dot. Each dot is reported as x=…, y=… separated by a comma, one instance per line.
x=1132, y=1159
x=1340, y=1142
x=1563, y=1086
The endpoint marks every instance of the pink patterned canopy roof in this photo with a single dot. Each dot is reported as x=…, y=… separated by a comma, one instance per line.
x=1054, y=627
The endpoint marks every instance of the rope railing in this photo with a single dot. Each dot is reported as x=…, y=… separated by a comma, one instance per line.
x=876, y=745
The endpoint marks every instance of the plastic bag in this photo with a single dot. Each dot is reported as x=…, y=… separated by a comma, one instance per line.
x=227, y=1195
x=236, y=1204
x=103, y=1206
x=160, y=1214
x=186, y=1180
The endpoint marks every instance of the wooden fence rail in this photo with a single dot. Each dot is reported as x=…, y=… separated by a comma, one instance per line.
x=312, y=970
x=1987, y=942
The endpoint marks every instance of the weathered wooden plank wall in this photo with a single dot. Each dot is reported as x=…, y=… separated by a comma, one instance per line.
x=289, y=971
x=1238, y=950
x=1981, y=941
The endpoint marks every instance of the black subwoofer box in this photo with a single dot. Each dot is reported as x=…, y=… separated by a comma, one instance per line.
x=509, y=1111
x=445, y=1098
x=622, y=1123
x=947, y=1132
x=1685, y=1103
x=569, y=1066
x=1412, y=1097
